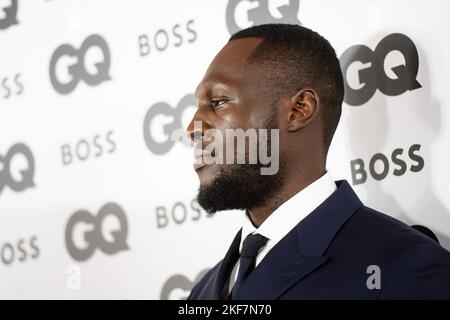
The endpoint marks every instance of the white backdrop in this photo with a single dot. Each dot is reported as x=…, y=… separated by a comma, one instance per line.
x=96, y=203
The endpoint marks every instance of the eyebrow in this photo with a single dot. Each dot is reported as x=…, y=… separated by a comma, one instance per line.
x=209, y=85
x=222, y=77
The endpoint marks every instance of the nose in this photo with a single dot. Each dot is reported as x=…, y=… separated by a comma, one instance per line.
x=197, y=127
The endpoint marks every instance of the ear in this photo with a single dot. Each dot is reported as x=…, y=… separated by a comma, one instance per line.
x=304, y=107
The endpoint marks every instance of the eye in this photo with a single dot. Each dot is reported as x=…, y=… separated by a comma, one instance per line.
x=218, y=103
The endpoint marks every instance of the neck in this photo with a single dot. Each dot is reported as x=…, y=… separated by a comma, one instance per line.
x=294, y=183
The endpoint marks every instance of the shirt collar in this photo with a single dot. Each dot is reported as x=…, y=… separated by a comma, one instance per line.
x=292, y=211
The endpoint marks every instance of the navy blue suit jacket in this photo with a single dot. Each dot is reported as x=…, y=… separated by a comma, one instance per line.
x=327, y=256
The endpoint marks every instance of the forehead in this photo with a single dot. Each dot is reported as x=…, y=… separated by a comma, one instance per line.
x=230, y=64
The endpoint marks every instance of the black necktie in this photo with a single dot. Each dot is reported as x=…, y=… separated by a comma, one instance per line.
x=250, y=249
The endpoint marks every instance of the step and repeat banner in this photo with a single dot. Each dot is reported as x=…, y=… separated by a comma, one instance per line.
x=96, y=199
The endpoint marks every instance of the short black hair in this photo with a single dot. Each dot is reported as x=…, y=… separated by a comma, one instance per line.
x=299, y=58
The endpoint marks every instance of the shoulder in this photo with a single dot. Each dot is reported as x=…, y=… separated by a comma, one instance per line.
x=413, y=266
x=204, y=282
x=371, y=230
x=421, y=272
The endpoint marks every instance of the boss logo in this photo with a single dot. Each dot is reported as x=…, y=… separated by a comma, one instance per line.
x=162, y=39
x=23, y=179
x=8, y=15
x=372, y=75
x=178, y=214
x=93, y=237
x=379, y=165
x=172, y=130
x=178, y=287
x=255, y=12
x=88, y=148
x=76, y=71
x=11, y=86
x=21, y=250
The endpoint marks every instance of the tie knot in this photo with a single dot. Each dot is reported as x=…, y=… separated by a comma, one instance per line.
x=252, y=244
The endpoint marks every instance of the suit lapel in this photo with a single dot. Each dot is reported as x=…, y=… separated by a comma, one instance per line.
x=217, y=287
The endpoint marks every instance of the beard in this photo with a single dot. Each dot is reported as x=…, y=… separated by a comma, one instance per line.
x=242, y=186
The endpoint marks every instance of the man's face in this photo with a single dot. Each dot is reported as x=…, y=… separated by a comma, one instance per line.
x=233, y=95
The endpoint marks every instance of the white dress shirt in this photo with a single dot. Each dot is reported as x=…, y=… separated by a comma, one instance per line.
x=286, y=217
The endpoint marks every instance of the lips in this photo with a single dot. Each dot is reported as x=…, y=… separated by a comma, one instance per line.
x=202, y=158
x=197, y=165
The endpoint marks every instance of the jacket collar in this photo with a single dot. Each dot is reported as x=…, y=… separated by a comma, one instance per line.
x=217, y=288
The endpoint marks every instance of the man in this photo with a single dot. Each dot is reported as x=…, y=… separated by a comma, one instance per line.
x=305, y=236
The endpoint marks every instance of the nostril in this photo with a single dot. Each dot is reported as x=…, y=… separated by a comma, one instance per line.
x=197, y=135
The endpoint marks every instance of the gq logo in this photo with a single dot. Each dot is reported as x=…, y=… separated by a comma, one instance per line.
x=260, y=14
x=8, y=15
x=93, y=236
x=178, y=287
x=17, y=181
x=173, y=130
x=79, y=70
x=372, y=75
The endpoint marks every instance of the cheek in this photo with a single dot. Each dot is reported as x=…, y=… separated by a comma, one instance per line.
x=246, y=119
x=231, y=120
x=244, y=114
